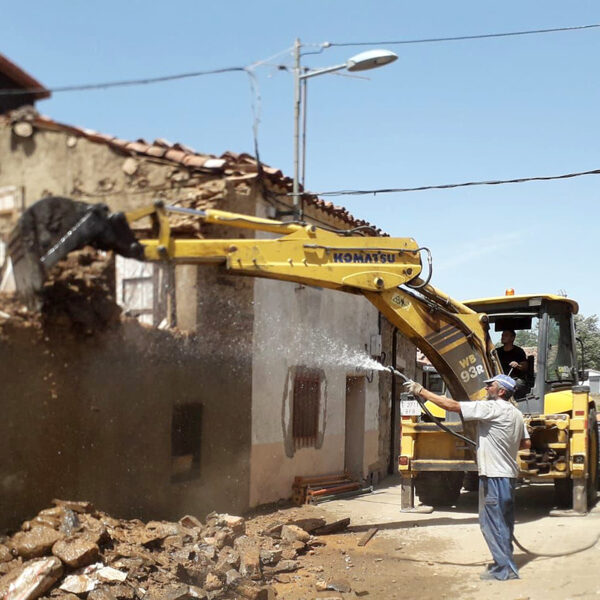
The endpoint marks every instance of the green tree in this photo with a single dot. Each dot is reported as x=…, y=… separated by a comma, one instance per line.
x=588, y=331
x=527, y=338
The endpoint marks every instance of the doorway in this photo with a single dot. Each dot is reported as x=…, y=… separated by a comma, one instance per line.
x=355, y=427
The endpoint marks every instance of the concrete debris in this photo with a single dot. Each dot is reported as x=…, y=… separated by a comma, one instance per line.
x=36, y=542
x=309, y=525
x=101, y=593
x=78, y=584
x=72, y=551
x=190, y=522
x=32, y=579
x=5, y=554
x=110, y=574
x=76, y=552
x=293, y=533
x=78, y=297
x=339, y=585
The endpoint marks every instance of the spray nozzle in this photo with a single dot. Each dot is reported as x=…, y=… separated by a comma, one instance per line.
x=394, y=371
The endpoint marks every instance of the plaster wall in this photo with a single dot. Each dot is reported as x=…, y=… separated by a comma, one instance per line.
x=297, y=325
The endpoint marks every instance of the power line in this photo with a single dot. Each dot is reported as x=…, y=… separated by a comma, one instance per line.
x=447, y=186
x=121, y=83
x=463, y=37
x=142, y=81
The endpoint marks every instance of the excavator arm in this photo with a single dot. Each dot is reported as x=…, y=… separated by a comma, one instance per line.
x=385, y=270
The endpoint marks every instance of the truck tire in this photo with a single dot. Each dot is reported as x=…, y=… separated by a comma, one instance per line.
x=563, y=493
x=439, y=488
x=471, y=481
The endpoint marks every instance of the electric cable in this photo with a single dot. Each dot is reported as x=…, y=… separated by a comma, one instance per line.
x=142, y=81
x=446, y=186
x=120, y=83
x=460, y=38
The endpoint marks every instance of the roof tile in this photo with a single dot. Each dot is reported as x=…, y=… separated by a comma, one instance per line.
x=237, y=166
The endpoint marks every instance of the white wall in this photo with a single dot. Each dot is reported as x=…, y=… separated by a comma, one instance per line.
x=297, y=325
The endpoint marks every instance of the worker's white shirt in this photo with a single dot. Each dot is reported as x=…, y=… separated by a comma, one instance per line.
x=500, y=431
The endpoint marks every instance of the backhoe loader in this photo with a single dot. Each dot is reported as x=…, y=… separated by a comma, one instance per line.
x=388, y=272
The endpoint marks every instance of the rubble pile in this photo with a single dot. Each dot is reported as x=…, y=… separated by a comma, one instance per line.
x=79, y=293
x=72, y=551
x=13, y=312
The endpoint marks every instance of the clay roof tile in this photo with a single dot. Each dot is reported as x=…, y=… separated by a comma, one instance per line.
x=229, y=164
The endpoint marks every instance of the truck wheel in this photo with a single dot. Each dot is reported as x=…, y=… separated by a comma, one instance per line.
x=471, y=481
x=563, y=493
x=439, y=488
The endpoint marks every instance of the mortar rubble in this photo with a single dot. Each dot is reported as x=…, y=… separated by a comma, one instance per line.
x=73, y=551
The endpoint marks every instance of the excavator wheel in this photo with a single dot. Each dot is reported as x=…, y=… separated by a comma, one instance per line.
x=439, y=488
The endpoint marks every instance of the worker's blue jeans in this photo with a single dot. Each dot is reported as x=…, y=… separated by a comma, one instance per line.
x=497, y=521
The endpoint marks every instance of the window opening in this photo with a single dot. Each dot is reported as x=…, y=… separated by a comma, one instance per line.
x=186, y=438
x=306, y=403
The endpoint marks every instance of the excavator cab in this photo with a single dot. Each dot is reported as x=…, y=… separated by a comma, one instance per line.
x=548, y=322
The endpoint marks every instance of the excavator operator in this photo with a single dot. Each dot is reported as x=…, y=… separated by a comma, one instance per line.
x=513, y=361
x=501, y=433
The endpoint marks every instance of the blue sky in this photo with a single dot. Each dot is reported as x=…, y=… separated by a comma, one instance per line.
x=448, y=112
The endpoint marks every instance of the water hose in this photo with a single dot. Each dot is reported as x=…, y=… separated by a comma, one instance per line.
x=439, y=423
x=435, y=419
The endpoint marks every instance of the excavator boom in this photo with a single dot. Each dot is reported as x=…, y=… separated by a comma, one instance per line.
x=385, y=270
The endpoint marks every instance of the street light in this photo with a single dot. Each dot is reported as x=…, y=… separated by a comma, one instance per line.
x=371, y=59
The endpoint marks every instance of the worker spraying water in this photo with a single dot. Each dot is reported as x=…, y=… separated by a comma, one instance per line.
x=501, y=433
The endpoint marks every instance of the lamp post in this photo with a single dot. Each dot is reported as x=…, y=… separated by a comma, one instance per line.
x=371, y=59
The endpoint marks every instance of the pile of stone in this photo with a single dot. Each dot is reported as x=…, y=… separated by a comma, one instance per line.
x=72, y=551
x=78, y=296
x=79, y=293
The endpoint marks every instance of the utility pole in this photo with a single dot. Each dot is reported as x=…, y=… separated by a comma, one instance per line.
x=298, y=209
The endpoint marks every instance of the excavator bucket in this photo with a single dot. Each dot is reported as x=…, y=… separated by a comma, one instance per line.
x=52, y=227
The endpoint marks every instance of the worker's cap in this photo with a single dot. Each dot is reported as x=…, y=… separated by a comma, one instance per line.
x=508, y=383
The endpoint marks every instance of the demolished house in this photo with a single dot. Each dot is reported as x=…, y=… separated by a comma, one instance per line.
x=209, y=390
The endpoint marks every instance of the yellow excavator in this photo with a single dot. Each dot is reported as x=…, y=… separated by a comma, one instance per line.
x=454, y=336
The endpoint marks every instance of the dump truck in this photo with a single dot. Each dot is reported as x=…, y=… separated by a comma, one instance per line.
x=389, y=273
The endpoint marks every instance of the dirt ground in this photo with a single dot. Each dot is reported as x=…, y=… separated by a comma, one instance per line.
x=440, y=555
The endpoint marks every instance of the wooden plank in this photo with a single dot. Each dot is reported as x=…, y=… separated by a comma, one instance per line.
x=364, y=540
x=334, y=527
